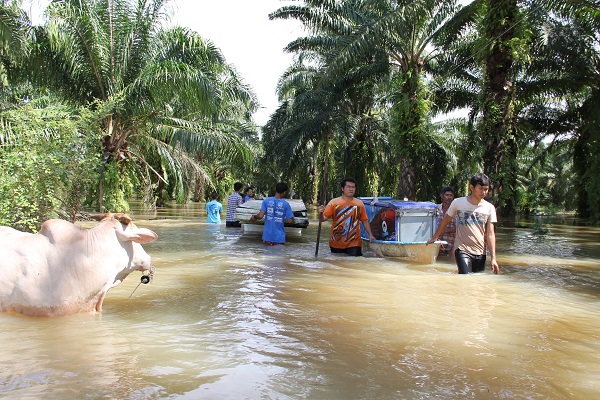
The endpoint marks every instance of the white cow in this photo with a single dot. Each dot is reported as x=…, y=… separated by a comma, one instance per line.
x=65, y=269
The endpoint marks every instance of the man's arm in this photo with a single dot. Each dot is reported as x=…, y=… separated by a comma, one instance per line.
x=260, y=214
x=440, y=229
x=491, y=242
x=289, y=212
x=322, y=216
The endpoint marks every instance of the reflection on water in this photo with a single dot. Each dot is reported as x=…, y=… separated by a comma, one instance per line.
x=229, y=318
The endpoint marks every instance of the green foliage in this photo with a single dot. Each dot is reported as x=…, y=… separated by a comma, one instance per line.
x=14, y=44
x=422, y=162
x=587, y=160
x=547, y=183
x=171, y=117
x=24, y=180
x=48, y=168
x=166, y=101
x=372, y=55
x=119, y=185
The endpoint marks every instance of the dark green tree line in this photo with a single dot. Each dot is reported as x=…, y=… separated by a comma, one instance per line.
x=171, y=111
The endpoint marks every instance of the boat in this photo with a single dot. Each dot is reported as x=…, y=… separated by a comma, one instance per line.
x=401, y=229
x=245, y=211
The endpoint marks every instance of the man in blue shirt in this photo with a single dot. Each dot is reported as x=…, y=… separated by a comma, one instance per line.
x=214, y=209
x=277, y=211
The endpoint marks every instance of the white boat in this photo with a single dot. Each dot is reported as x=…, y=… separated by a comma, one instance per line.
x=402, y=229
x=245, y=211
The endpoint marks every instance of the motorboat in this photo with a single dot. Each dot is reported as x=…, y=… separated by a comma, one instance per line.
x=245, y=211
x=401, y=229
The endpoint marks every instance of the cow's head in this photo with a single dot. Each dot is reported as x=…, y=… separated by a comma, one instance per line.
x=127, y=232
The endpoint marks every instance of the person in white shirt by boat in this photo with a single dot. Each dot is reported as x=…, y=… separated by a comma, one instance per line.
x=475, y=228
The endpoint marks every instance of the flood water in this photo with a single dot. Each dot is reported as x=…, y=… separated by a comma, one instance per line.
x=229, y=318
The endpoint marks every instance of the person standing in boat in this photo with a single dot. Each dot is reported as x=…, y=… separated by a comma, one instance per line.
x=447, y=195
x=233, y=202
x=347, y=213
x=214, y=210
x=278, y=211
x=476, y=218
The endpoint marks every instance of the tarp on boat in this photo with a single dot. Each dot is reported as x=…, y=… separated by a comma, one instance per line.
x=399, y=220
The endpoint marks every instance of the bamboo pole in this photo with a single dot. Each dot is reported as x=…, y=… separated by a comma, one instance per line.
x=323, y=192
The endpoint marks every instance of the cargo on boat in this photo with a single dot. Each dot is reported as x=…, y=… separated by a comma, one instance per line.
x=245, y=211
x=401, y=229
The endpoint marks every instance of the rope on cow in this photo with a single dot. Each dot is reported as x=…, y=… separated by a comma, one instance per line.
x=145, y=279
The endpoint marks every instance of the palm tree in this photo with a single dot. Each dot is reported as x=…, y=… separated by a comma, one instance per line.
x=506, y=39
x=570, y=65
x=166, y=99
x=487, y=71
x=318, y=108
x=541, y=93
x=14, y=39
x=486, y=49
x=405, y=33
x=582, y=71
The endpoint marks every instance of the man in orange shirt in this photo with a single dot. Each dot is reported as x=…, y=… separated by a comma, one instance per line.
x=347, y=213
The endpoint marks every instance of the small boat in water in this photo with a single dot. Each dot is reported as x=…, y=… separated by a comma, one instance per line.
x=402, y=229
x=245, y=211
x=419, y=252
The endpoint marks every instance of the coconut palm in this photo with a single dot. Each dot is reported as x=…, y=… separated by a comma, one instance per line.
x=570, y=66
x=14, y=43
x=405, y=33
x=166, y=99
x=548, y=83
x=318, y=107
x=582, y=70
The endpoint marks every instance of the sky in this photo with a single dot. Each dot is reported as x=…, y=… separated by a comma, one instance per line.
x=247, y=38
x=242, y=30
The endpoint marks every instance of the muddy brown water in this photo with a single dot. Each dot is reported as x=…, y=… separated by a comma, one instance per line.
x=229, y=318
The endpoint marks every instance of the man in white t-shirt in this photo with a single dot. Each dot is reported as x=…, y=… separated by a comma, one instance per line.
x=475, y=227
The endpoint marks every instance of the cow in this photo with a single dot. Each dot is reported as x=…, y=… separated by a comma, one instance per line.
x=65, y=269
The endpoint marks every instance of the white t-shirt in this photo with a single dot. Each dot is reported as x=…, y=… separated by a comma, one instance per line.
x=471, y=224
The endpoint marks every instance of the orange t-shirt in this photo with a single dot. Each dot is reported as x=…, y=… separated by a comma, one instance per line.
x=346, y=216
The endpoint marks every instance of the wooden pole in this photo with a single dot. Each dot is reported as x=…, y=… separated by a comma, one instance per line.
x=323, y=191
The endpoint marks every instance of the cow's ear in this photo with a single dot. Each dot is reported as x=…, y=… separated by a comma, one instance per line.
x=138, y=235
x=145, y=235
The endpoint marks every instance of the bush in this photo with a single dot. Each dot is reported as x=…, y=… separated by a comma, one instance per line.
x=47, y=166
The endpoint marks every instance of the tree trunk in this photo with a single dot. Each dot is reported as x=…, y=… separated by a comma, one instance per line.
x=314, y=180
x=199, y=189
x=498, y=127
x=408, y=116
x=581, y=165
x=406, y=179
x=105, y=159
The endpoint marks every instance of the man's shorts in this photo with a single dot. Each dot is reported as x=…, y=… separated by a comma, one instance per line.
x=468, y=263
x=271, y=243
x=351, y=251
x=233, y=224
